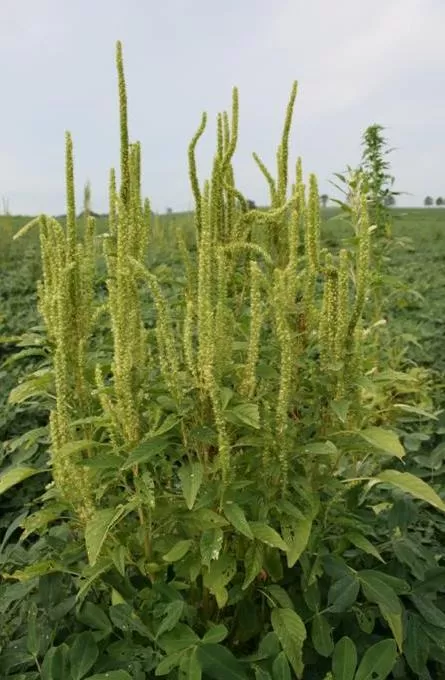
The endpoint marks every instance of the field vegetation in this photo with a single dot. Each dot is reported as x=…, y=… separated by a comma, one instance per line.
x=222, y=447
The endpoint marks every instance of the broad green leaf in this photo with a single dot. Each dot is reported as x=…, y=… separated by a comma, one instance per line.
x=178, y=640
x=219, y=663
x=191, y=479
x=190, y=666
x=320, y=449
x=416, y=411
x=267, y=535
x=253, y=563
x=412, y=485
x=378, y=661
x=321, y=634
x=178, y=551
x=210, y=545
x=280, y=668
x=219, y=576
x=34, y=387
x=55, y=663
x=237, y=518
x=340, y=408
x=93, y=616
x=98, y=528
x=417, y=646
x=379, y=592
x=291, y=633
x=168, y=663
x=429, y=611
x=280, y=596
x=83, y=655
x=110, y=675
x=384, y=440
x=14, y=476
x=33, y=639
x=146, y=451
x=215, y=634
x=296, y=534
x=244, y=414
x=173, y=613
x=364, y=544
x=344, y=659
x=343, y=593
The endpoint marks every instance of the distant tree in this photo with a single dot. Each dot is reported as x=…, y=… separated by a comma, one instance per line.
x=428, y=202
x=169, y=211
x=324, y=198
x=440, y=201
x=251, y=204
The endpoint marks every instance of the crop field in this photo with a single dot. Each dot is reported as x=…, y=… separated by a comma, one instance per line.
x=222, y=433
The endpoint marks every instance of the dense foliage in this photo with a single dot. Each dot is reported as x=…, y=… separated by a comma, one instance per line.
x=222, y=447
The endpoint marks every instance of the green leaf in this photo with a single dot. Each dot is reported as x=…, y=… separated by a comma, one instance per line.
x=343, y=593
x=237, y=518
x=244, y=414
x=179, y=639
x=280, y=668
x=384, y=440
x=267, y=535
x=417, y=646
x=146, y=451
x=168, y=663
x=14, y=476
x=364, y=544
x=83, y=655
x=291, y=633
x=98, y=528
x=219, y=576
x=320, y=449
x=344, y=660
x=378, y=661
x=210, y=545
x=296, y=534
x=191, y=479
x=379, y=592
x=190, y=666
x=110, y=675
x=219, y=663
x=94, y=617
x=429, y=611
x=340, y=408
x=216, y=634
x=322, y=636
x=280, y=596
x=253, y=563
x=412, y=485
x=173, y=613
x=179, y=550
x=33, y=638
x=55, y=663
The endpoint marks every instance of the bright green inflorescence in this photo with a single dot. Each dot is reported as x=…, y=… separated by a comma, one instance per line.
x=266, y=323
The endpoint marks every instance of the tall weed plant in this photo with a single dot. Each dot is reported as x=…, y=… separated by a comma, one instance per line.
x=224, y=447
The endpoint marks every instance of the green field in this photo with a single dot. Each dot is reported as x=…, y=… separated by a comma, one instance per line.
x=32, y=605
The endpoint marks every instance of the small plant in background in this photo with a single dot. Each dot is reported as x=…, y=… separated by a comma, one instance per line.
x=225, y=444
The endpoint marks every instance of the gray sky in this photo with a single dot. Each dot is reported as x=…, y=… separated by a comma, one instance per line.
x=354, y=67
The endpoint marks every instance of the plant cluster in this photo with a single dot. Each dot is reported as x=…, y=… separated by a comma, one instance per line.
x=223, y=499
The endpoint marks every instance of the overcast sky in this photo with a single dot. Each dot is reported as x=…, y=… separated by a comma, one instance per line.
x=356, y=62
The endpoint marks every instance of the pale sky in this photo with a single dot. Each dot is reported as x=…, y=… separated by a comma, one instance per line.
x=357, y=63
